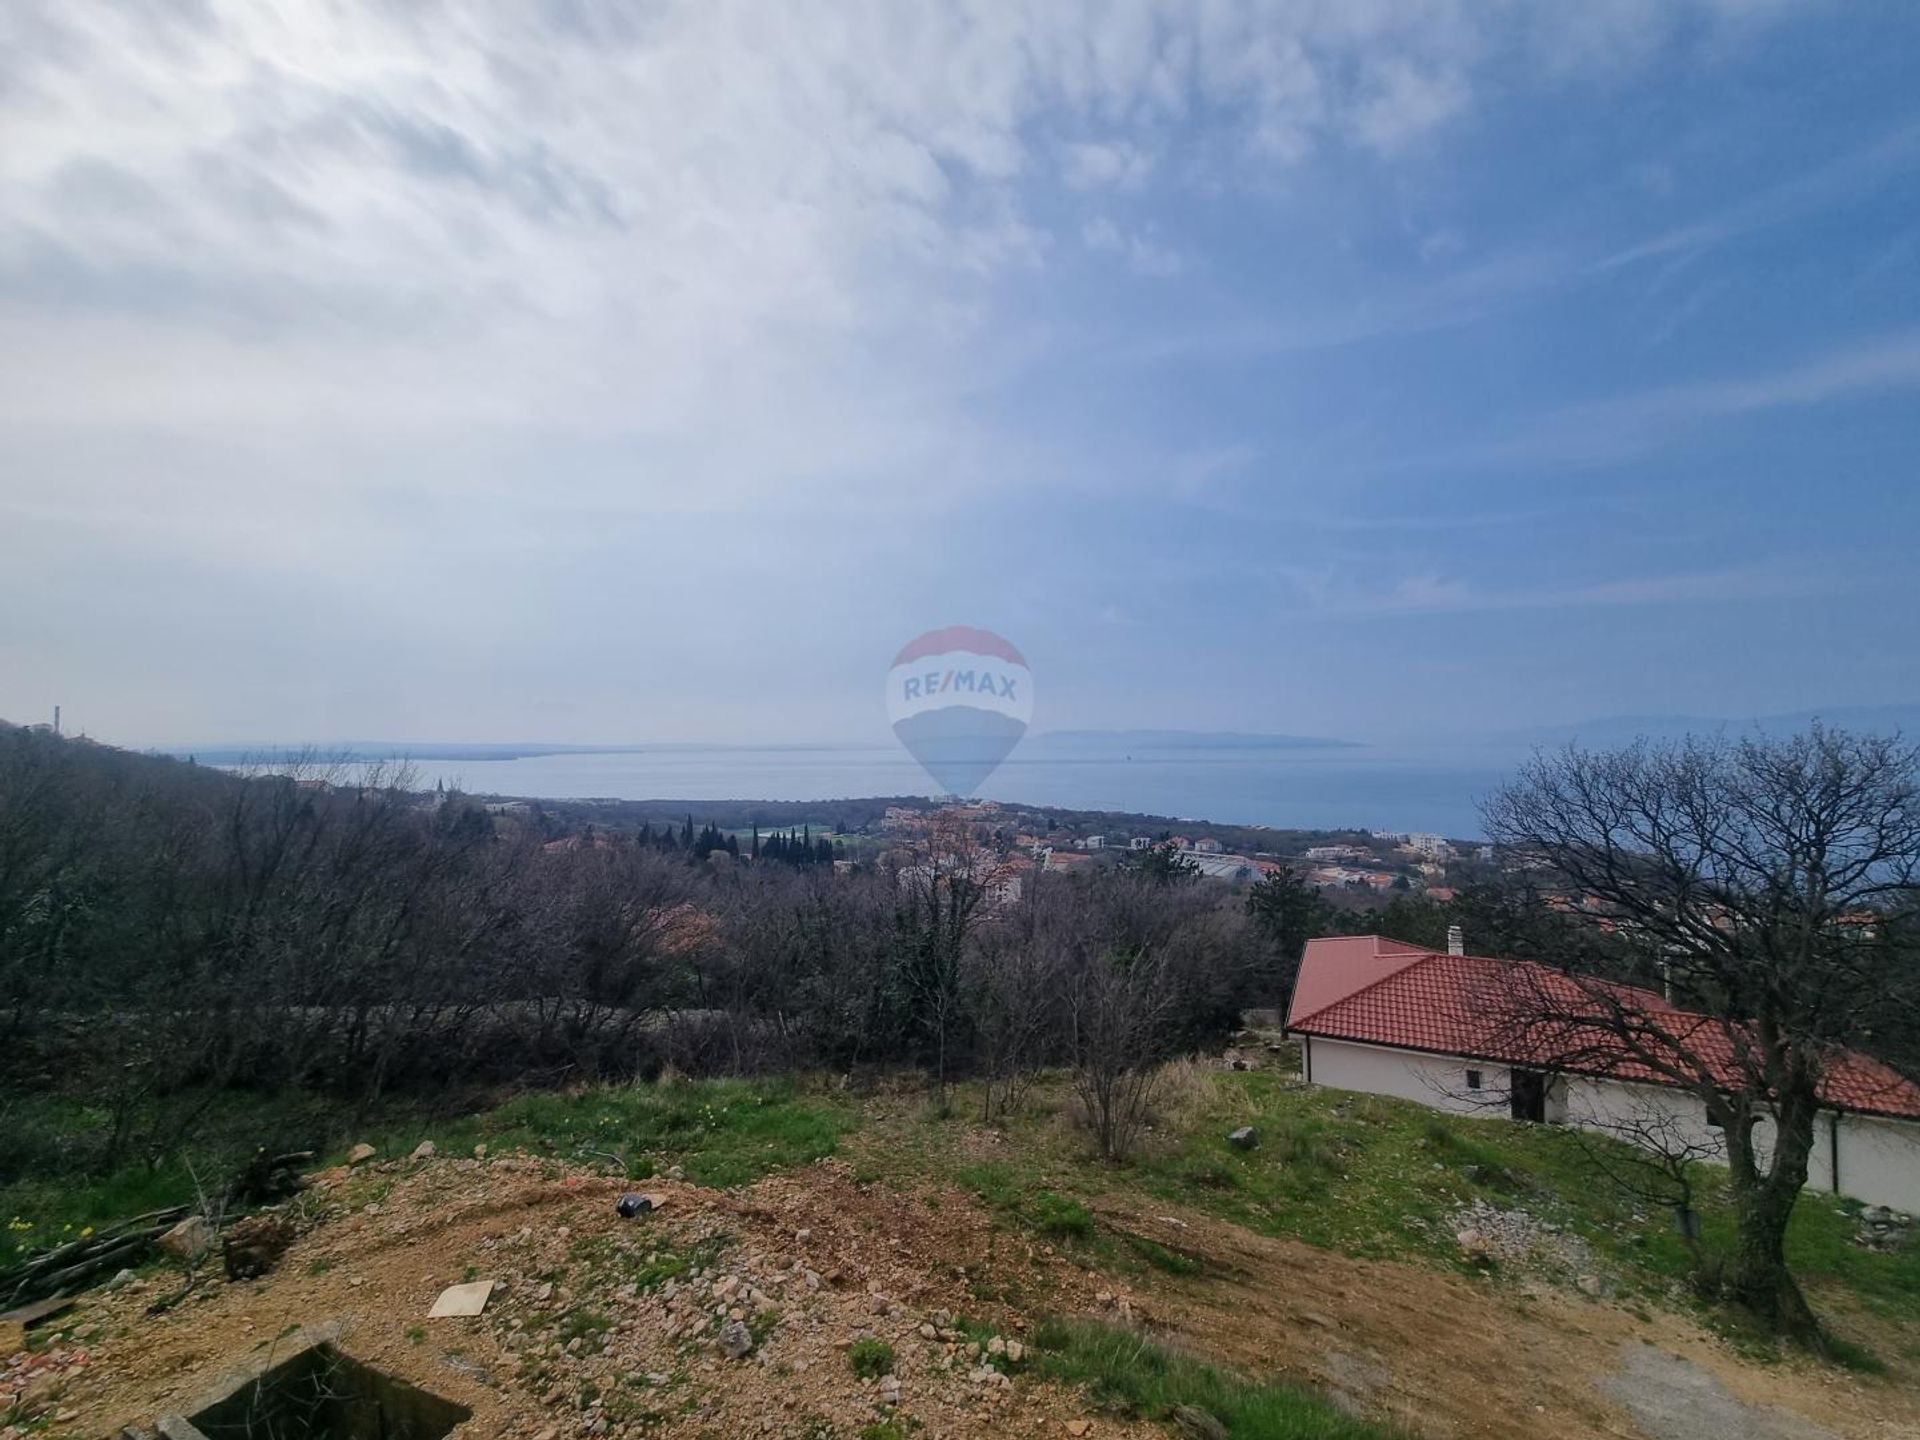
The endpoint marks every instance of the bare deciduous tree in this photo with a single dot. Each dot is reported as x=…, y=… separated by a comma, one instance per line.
x=1759, y=884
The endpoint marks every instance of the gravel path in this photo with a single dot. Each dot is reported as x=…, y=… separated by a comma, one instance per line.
x=1674, y=1399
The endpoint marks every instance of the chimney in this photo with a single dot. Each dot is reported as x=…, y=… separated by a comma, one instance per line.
x=1456, y=942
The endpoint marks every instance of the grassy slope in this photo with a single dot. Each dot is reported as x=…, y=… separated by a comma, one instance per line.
x=722, y=1132
x=1122, y=1369
x=1368, y=1176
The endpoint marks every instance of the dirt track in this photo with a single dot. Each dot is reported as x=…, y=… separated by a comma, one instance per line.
x=1446, y=1356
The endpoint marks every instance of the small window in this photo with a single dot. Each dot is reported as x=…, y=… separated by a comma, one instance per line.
x=1712, y=1124
x=1473, y=1079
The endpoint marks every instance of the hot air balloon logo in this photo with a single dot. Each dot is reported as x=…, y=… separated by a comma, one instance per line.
x=959, y=699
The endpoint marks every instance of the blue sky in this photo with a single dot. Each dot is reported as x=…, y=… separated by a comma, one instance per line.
x=613, y=372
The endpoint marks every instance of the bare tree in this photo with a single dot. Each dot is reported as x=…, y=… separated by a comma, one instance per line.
x=1759, y=884
x=1120, y=1007
x=1016, y=973
x=944, y=894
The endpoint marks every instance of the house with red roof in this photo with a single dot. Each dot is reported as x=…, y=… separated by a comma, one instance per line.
x=1386, y=1018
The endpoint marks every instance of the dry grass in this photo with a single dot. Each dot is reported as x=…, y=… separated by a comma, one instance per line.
x=1185, y=1092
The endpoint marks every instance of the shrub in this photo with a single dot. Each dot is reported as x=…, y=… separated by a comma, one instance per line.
x=1061, y=1216
x=870, y=1357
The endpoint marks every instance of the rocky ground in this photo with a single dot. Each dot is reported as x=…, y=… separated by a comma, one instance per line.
x=811, y=1305
x=726, y=1313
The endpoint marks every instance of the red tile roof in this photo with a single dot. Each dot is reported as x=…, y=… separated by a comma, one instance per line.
x=1377, y=991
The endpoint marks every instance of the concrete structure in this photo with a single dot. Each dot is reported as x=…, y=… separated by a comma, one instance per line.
x=1337, y=852
x=1377, y=1016
x=1221, y=867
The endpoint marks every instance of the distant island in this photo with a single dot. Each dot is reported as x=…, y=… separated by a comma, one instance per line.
x=362, y=750
x=1191, y=740
x=369, y=750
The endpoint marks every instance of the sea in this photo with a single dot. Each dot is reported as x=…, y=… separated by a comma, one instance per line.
x=1432, y=788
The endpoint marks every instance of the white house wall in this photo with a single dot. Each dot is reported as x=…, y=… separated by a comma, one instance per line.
x=1436, y=1080
x=1879, y=1159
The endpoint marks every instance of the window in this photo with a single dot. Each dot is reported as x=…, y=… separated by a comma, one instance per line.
x=1473, y=1079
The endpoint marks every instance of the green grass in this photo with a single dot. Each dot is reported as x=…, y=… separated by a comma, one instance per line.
x=1062, y=1217
x=722, y=1132
x=1373, y=1177
x=1130, y=1374
x=870, y=1357
x=1164, y=1257
x=583, y=1322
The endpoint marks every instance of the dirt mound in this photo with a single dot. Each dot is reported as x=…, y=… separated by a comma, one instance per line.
x=605, y=1325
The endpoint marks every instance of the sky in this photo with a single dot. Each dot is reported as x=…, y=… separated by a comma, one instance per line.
x=621, y=372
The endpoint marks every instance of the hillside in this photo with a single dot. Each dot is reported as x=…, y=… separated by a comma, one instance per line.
x=894, y=1274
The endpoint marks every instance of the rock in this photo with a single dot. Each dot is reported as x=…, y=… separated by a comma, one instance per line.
x=996, y=1346
x=736, y=1341
x=13, y=1338
x=1243, y=1139
x=1198, y=1424
x=928, y=1331
x=1016, y=1352
x=1595, y=1286
x=254, y=1245
x=188, y=1241
x=1077, y=1428
x=120, y=1281
x=480, y=1152
x=462, y=1300
x=361, y=1153
x=425, y=1150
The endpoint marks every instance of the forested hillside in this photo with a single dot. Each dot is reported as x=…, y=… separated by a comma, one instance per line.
x=171, y=934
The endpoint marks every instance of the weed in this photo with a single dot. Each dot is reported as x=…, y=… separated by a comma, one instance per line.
x=1162, y=1257
x=1062, y=1217
x=584, y=1323
x=1852, y=1356
x=724, y=1132
x=1124, y=1370
x=870, y=1357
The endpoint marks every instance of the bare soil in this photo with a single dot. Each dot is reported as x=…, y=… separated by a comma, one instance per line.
x=603, y=1325
x=1447, y=1356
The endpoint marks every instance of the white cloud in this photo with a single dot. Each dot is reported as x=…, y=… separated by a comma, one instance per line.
x=339, y=297
x=1144, y=252
x=1626, y=425
x=1086, y=166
